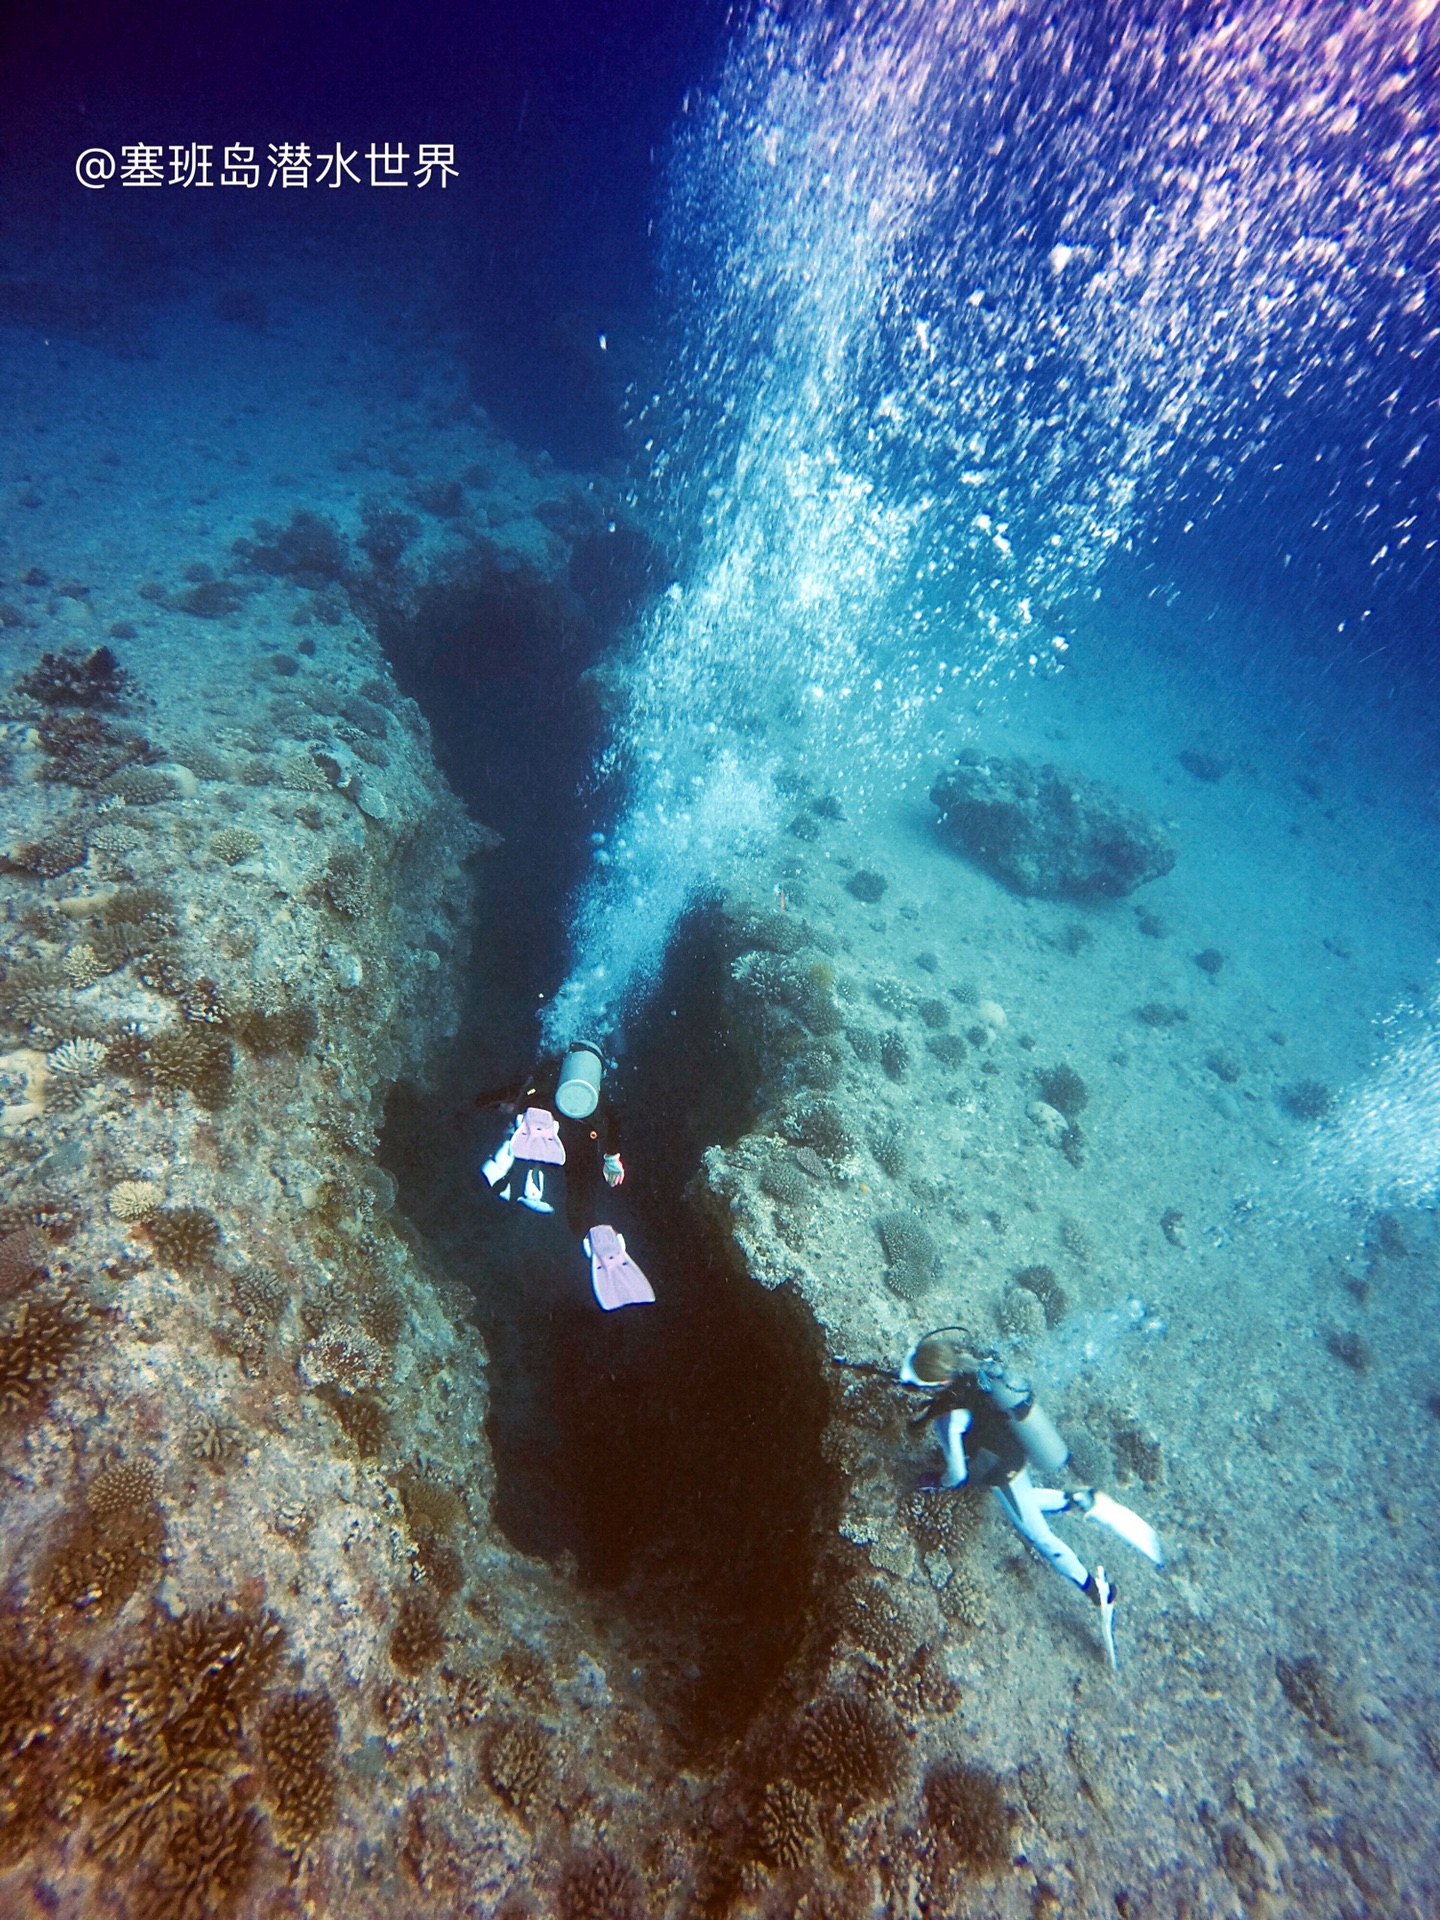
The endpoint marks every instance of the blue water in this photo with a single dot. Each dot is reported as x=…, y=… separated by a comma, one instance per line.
x=942, y=380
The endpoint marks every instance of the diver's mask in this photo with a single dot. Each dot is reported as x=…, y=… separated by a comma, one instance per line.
x=578, y=1092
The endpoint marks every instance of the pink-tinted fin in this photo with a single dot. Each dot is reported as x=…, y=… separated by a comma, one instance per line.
x=617, y=1281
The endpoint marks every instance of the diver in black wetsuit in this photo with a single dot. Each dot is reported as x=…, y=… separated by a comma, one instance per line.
x=991, y=1432
x=563, y=1151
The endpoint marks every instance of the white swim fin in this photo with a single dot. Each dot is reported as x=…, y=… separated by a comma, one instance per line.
x=1134, y=1531
x=1104, y=1597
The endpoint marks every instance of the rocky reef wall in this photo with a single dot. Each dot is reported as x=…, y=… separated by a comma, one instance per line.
x=262, y=1649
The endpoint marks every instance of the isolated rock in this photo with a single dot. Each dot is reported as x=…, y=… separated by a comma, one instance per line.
x=1049, y=834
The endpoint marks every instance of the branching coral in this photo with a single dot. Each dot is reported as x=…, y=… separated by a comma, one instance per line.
x=115, y=836
x=234, y=844
x=384, y=1315
x=345, y=884
x=39, y=1337
x=60, y=853
x=74, y=680
x=417, y=1639
x=880, y=1622
x=195, y=1057
x=520, y=1766
x=81, y=966
x=910, y=1248
x=23, y=1254
x=966, y=1809
x=125, y=1488
x=130, y=906
x=183, y=1237
x=277, y=1024
x=211, y=1851
x=345, y=1358
x=37, y=1696
x=107, y=1552
x=783, y=1828
x=819, y=1124
x=141, y=786
x=213, y=1437
x=441, y=1564
x=132, y=1200
x=82, y=750
x=1062, y=1088
x=298, y=1738
x=175, y=1731
x=361, y=1416
x=260, y=1294
x=205, y=1003
x=600, y=1886
x=846, y=1749
x=80, y=1059
x=431, y=1505
x=1307, y=1100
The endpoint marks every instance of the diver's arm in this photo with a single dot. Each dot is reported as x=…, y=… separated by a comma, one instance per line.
x=608, y=1132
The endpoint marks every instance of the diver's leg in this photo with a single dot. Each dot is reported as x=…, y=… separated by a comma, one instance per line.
x=1025, y=1508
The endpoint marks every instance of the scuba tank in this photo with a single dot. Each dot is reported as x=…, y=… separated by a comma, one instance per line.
x=578, y=1092
x=1029, y=1422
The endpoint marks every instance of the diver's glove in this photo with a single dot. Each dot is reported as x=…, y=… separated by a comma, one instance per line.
x=614, y=1170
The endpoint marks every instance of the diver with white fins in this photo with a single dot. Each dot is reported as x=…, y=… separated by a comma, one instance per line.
x=991, y=1432
x=563, y=1152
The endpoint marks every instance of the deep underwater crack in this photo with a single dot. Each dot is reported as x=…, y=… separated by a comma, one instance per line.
x=669, y=1456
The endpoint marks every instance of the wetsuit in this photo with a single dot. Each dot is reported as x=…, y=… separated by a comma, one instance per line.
x=577, y=1187
x=981, y=1445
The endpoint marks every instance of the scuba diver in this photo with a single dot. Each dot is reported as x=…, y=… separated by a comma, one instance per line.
x=992, y=1432
x=563, y=1152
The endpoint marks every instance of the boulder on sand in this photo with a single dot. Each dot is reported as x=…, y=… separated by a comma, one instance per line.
x=1047, y=834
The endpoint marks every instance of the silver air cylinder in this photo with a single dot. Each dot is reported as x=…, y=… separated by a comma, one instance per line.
x=1031, y=1425
x=578, y=1093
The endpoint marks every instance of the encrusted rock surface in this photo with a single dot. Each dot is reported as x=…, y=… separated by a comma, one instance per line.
x=1047, y=834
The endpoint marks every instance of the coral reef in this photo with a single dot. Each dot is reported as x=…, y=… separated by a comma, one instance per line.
x=520, y=1766
x=1062, y=1088
x=418, y=1638
x=74, y=680
x=966, y=1809
x=599, y=1886
x=867, y=885
x=911, y=1251
x=784, y=1825
x=847, y=1750
x=298, y=1739
x=234, y=844
x=183, y=1237
x=40, y=1337
x=1307, y=1100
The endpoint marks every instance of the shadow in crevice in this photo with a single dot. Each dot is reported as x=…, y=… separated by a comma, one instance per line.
x=496, y=654
x=670, y=1455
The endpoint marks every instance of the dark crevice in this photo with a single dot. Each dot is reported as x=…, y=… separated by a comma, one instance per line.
x=667, y=1457
x=495, y=655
